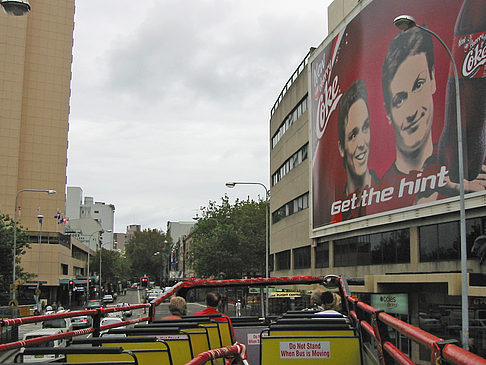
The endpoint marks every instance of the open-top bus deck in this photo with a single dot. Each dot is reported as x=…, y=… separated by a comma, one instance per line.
x=357, y=334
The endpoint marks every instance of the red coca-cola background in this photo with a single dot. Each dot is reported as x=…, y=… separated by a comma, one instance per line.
x=358, y=52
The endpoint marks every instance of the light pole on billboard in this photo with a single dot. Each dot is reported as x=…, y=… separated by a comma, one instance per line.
x=405, y=22
x=267, y=232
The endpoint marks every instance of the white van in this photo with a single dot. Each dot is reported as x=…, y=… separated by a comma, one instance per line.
x=53, y=343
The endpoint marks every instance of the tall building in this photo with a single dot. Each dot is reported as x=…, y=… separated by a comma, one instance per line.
x=99, y=211
x=342, y=201
x=36, y=53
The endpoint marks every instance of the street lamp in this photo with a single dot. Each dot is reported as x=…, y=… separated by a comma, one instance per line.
x=101, y=246
x=50, y=192
x=40, y=217
x=405, y=22
x=267, y=233
x=15, y=7
x=89, y=248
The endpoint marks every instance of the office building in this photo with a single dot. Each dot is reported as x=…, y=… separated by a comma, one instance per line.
x=396, y=237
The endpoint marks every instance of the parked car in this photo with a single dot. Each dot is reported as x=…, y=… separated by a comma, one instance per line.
x=108, y=298
x=53, y=343
x=81, y=322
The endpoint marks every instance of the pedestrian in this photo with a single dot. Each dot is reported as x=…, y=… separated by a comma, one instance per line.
x=238, y=308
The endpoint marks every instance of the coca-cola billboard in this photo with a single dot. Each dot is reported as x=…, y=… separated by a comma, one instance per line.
x=383, y=115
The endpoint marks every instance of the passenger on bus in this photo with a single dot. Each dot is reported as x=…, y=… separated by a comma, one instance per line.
x=177, y=308
x=213, y=301
x=331, y=301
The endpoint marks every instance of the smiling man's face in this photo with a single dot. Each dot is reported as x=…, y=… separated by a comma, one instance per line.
x=412, y=105
x=355, y=151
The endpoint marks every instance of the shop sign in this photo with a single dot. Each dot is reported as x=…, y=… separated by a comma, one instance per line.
x=391, y=303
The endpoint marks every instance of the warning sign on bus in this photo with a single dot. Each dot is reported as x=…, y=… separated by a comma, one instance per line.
x=305, y=350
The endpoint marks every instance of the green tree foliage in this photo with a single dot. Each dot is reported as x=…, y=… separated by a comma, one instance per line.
x=229, y=240
x=6, y=252
x=114, y=266
x=148, y=253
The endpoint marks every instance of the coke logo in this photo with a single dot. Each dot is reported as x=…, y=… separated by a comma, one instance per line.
x=475, y=58
x=328, y=102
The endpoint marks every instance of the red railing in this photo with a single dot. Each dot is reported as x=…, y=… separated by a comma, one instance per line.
x=95, y=313
x=367, y=319
x=237, y=352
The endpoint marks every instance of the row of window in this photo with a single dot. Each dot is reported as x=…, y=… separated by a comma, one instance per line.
x=437, y=242
x=291, y=119
x=294, y=206
x=440, y=242
x=294, y=160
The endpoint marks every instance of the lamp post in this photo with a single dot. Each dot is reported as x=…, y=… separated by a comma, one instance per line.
x=40, y=217
x=405, y=22
x=15, y=7
x=267, y=233
x=50, y=192
x=101, y=246
x=89, y=248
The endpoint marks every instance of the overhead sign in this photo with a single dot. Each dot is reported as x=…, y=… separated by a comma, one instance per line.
x=391, y=303
x=382, y=109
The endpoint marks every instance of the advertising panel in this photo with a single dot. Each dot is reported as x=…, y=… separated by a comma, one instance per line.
x=383, y=116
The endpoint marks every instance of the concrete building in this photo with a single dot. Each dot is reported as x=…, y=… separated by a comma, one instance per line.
x=99, y=211
x=36, y=52
x=409, y=254
x=178, y=232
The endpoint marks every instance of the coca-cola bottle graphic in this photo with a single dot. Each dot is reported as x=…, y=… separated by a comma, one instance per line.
x=469, y=52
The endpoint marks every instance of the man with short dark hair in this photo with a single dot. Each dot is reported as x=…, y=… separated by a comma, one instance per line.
x=408, y=83
x=213, y=301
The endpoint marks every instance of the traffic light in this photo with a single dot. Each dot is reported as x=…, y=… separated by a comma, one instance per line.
x=144, y=282
x=71, y=285
x=90, y=281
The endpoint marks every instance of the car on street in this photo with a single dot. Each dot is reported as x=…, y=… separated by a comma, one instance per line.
x=81, y=322
x=52, y=343
x=110, y=320
x=127, y=313
x=94, y=304
x=64, y=324
x=108, y=298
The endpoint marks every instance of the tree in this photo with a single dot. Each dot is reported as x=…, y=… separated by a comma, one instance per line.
x=229, y=240
x=148, y=253
x=6, y=252
x=114, y=266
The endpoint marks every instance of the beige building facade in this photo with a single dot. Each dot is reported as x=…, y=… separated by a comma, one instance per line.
x=386, y=254
x=35, y=77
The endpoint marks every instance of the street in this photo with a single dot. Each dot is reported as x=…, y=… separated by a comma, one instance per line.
x=131, y=297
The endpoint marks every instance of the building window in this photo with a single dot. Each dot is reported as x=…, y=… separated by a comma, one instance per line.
x=302, y=257
x=283, y=260
x=78, y=271
x=64, y=269
x=296, y=159
x=375, y=249
x=439, y=242
x=322, y=254
x=289, y=120
x=294, y=206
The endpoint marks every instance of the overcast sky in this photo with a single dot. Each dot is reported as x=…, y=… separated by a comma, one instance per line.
x=171, y=99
